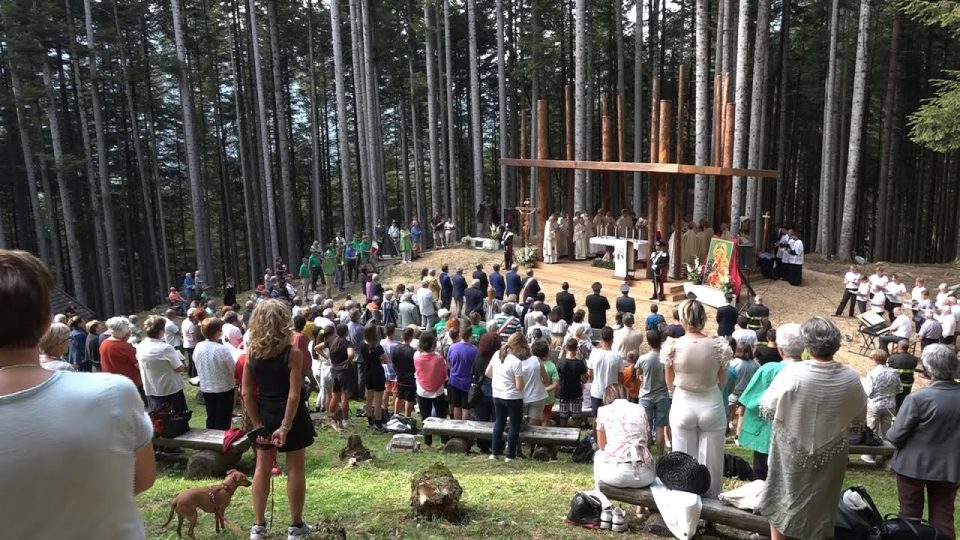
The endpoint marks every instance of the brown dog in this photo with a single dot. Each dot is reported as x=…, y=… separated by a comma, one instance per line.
x=212, y=499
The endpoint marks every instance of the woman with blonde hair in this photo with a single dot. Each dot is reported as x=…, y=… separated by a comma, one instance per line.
x=506, y=372
x=53, y=345
x=695, y=368
x=272, y=380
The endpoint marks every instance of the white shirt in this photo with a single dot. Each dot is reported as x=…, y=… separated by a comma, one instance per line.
x=895, y=292
x=606, y=366
x=425, y=301
x=158, y=361
x=902, y=326
x=782, y=251
x=69, y=447
x=233, y=335
x=949, y=324
x=744, y=336
x=215, y=366
x=917, y=294
x=851, y=281
x=171, y=334
x=504, y=375
x=797, y=247
x=533, y=388
x=187, y=329
x=941, y=296
x=878, y=302
x=544, y=331
x=879, y=282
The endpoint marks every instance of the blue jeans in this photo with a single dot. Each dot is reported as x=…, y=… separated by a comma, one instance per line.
x=340, y=279
x=483, y=413
x=504, y=408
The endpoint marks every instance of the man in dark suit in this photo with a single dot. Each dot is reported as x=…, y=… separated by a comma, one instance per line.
x=659, y=262
x=482, y=276
x=597, y=306
x=446, y=287
x=497, y=282
x=566, y=302
x=625, y=304
x=531, y=287
x=473, y=298
x=458, y=285
x=727, y=317
x=513, y=283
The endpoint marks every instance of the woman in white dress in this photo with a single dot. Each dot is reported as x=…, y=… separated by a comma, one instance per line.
x=579, y=239
x=550, y=240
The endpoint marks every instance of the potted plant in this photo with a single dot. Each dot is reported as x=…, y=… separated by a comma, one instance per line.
x=695, y=272
x=527, y=256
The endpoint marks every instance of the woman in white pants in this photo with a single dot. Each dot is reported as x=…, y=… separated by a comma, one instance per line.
x=623, y=438
x=695, y=367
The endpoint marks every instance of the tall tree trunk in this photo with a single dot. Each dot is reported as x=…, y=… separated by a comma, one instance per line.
x=475, y=132
x=316, y=205
x=405, y=163
x=109, y=222
x=201, y=230
x=428, y=30
x=727, y=38
x=26, y=146
x=824, y=238
x=848, y=222
x=421, y=202
x=283, y=145
x=885, y=177
x=452, y=164
x=372, y=117
x=702, y=135
x=254, y=255
x=50, y=222
x=273, y=240
x=757, y=101
x=343, y=140
x=502, y=118
x=782, y=149
x=157, y=265
x=580, y=69
x=66, y=197
x=364, y=157
x=741, y=115
x=638, y=104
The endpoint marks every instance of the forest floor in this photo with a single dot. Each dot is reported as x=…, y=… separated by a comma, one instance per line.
x=524, y=499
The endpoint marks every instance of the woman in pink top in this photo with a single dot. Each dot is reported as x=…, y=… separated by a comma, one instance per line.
x=623, y=437
x=695, y=369
x=431, y=372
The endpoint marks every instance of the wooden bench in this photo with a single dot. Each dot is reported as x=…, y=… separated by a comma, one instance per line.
x=885, y=451
x=713, y=510
x=210, y=460
x=470, y=429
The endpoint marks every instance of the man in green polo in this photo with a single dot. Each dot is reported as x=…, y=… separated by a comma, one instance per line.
x=315, y=270
x=304, y=277
x=329, y=268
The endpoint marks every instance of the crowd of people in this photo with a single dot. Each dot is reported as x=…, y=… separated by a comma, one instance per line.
x=649, y=382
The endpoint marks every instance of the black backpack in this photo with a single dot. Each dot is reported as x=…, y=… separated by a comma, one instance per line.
x=583, y=453
x=585, y=511
x=869, y=524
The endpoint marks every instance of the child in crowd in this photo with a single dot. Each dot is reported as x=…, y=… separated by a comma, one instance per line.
x=572, y=374
x=629, y=376
x=654, y=395
x=654, y=319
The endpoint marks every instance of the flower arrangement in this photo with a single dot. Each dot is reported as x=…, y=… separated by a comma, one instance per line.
x=726, y=284
x=695, y=272
x=526, y=255
x=494, y=233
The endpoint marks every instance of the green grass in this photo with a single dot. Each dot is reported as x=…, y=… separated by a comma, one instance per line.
x=523, y=499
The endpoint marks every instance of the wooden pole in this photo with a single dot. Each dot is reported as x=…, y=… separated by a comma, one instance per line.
x=621, y=153
x=652, y=179
x=605, y=153
x=681, y=98
x=568, y=118
x=664, y=146
x=717, y=121
x=524, y=145
x=721, y=209
x=543, y=175
x=679, y=181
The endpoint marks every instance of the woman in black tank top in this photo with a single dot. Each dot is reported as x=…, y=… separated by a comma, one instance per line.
x=272, y=381
x=342, y=375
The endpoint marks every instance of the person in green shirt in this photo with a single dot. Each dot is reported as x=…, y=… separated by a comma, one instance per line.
x=315, y=270
x=304, y=277
x=363, y=248
x=406, y=245
x=554, y=376
x=440, y=327
x=329, y=267
x=753, y=431
x=477, y=329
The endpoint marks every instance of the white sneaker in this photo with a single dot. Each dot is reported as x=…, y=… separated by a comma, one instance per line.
x=619, y=522
x=606, y=518
x=296, y=533
x=492, y=457
x=258, y=532
x=507, y=460
x=869, y=460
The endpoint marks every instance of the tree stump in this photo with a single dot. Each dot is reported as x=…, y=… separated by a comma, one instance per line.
x=435, y=493
x=355, y=449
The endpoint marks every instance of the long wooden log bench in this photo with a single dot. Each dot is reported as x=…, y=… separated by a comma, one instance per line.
x=713, y=510
x=210, y=460
x=885, y=451
x=470, y=429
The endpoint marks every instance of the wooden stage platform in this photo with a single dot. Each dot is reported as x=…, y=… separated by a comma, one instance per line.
x=581, y=275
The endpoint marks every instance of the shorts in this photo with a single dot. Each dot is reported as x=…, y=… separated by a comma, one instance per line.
x=407, y=393
x=658, y=410
x=570, y=408
x=341, y=379
x=375, y=381
x=391, y=387
x=534, y=410
x=457, y=398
